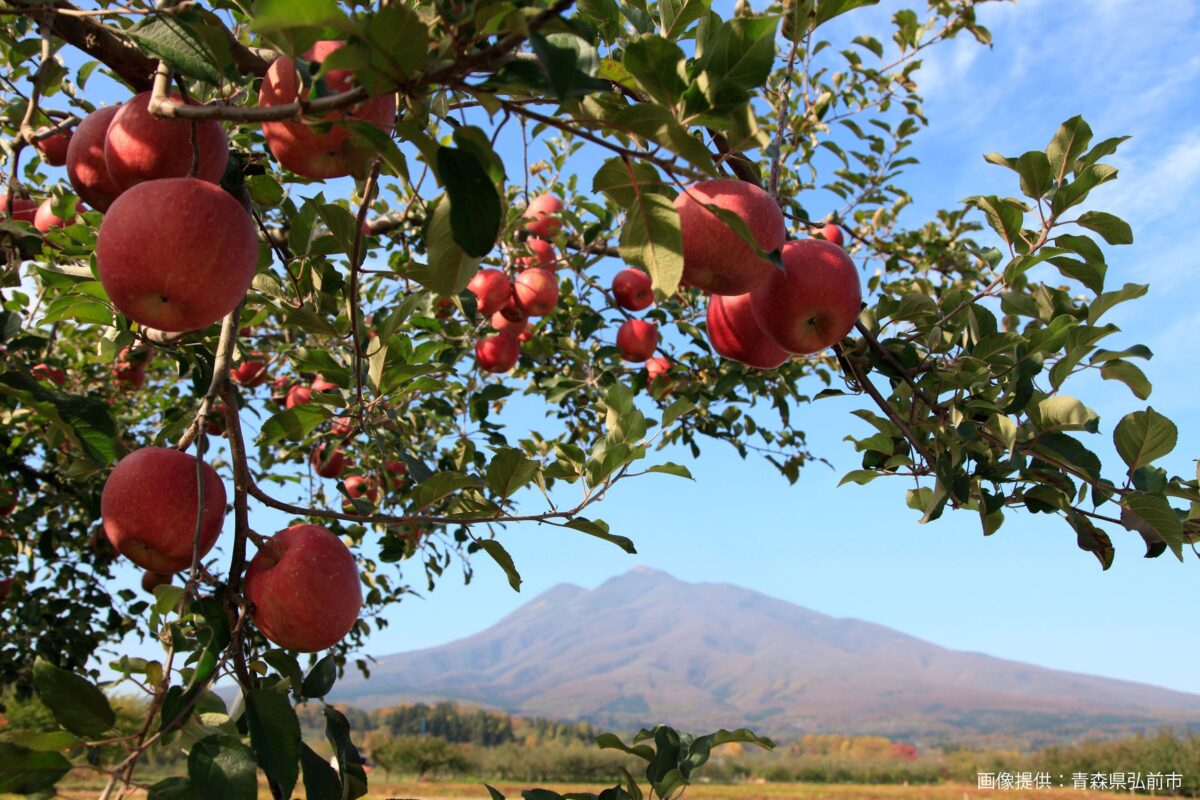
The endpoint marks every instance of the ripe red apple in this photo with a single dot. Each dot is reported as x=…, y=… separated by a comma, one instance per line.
x=54, y=147
x=398, y=472
x=658, y=365
x=45, y=218
x=214, y=422
x=632, y=289
x=130, y=367
x=498, y=352
x=298, y=144
x=540, y=216
x=833, y=234
x=142, y=147
x=504, y=322
x=715, y=258
x=357, y=487
x=9, y=495
x=176, y=254
x=734, y=333
x=815, y=303
x=45, y=372
x=298, y=396
x=151, y=580
x=328, y=466
x=342, y=426
x=536, y=291
x=543, y=252
x=149, y=508
x=251, y=372
x=86, y=167
x=319, y=384
x=492, y=290
x=637, y=339
x=24, y=209
x=5, y=586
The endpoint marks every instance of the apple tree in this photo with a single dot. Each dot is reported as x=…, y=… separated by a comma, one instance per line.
x=304, y=255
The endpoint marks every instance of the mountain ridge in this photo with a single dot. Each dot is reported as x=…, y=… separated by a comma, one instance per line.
x=644, y=647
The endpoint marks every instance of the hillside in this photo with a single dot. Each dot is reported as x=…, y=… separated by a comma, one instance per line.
x=645, y=647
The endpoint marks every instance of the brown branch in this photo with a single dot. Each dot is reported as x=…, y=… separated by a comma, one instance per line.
x=356, y=262
x=865, y=384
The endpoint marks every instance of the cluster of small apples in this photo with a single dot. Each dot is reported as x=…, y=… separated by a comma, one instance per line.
x=510, y=304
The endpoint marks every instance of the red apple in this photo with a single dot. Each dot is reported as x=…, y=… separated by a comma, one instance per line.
x=86, y=167
x=24, y=209
x=504, y=322
x=492, y=290
x=151, y=580
x=658, y=365
x=45, y=372
x=715, y=258
x=9, y=495
x=357, y=487
x=303, y=584
x=540, y=216
x=498, y=352
x=142, y=147
x=176, y=254
x=298, y=396
x=305, y=149
x=251, y=372
x=398, y=472
x=319, y=384
x=637, y=339
x=342, y=426
x=328, y=466
x=543, y=252
x=54, y=147
x=214, y=422
x=45, y=218
x=5, y=585
x=735, y=334
x=536, y=291
x=149, y=507
x=833, y=234
x=632, y=289
x=815, y=303
x=130, y=367
x=444, y=308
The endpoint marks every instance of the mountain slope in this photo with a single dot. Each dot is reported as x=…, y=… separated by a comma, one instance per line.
x=645, y=647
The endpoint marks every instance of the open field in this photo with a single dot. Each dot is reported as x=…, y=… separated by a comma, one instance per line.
x=457, y=790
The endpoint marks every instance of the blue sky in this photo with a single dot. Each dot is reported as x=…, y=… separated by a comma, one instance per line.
x=1026, y=593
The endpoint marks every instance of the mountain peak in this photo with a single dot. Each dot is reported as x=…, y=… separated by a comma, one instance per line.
x=645, y=647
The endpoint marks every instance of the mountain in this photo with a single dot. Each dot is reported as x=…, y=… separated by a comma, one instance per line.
x=645, y=647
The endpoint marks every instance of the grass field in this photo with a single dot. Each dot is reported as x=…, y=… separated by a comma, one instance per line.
x=453, y=790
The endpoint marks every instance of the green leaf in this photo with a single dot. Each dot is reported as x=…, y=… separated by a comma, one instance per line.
x=676, y=410
x=1152, y=516
x=1143, y=437
x=1114, y=229
x=179, y=39
x=1092, y=539
x=24, y=771
x=439, y=485
x=501, y=557
x=1129, y=374
x=450, y=267
x=349, y=760
x=84, y=419
x=320, y=779
x=293, y=424
x=1036, y=178
x=1005, y=216
x=75, y=701
x=742, y=51
x=860, y=476
x=475, y=210
x=610, y=741
x=622, y=182
x=1098, y=307
x=570, y=64
x=658, y=66
x=677, y=15
x=829, y=9
x=275, y=735
x=1069, y=142
x=79, y=307
x=651, y=240
x=173, y=789
x=1068, y=450
x=671, y=468
x=1066, y=413
x=599, y=529
x=320, y=678
x=42, y=740
x=278, y=15
x=223, y=768
x=509, y=470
